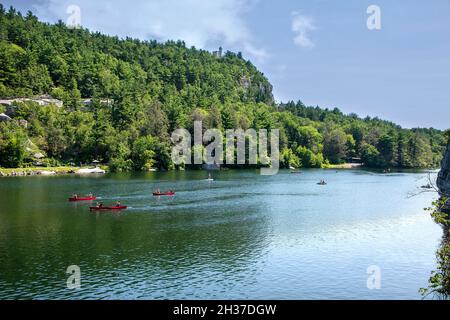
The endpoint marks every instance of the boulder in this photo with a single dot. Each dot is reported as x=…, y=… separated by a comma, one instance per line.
x=46, y=173
x=443, y=180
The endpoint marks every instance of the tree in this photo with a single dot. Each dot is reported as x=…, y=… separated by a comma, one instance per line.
x=351, y=146
x=155, y=122
x=308, y=159
x=335, y=145
x=143, y=154
x=74, y=95
x=215, y=118
x=357, y=131
x=289, y=159
x=369, y=155
x=403, y=155
x=387, y=147
x=12, y=146
x=420, y=151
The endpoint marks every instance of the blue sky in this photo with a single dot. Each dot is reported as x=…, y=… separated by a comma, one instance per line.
x=319, y=51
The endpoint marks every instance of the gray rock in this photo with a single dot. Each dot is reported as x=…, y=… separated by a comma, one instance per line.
x=443, y=180
x=4, y=117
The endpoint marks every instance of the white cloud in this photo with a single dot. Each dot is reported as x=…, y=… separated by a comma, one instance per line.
x=301, y=26
x=205, y=24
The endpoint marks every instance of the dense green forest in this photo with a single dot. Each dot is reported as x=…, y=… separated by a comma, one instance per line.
x=140, y=91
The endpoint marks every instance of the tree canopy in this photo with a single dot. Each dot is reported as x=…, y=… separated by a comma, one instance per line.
x=123, y=97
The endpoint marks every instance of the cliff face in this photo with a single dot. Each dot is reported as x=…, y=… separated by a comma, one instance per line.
x=443, y=181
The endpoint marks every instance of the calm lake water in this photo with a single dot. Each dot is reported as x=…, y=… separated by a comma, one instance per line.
x=243, y=236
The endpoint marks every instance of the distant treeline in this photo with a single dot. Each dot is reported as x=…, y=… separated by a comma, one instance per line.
x=140, y=91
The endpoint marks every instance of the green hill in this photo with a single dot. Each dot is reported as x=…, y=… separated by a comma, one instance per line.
x=122, y=98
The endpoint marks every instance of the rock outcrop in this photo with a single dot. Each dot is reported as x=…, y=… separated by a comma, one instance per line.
x=443, y=180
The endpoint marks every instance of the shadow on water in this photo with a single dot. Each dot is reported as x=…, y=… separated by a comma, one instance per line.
x=242, y=236
x=138, y=253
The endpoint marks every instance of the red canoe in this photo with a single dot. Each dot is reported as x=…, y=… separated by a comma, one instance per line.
x=168, y=193
x=73, y=199
x=108, y=208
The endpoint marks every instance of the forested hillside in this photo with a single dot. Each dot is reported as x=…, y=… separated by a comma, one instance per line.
x=123, y=97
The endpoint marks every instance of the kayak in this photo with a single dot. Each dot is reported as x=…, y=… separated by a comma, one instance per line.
x=73, y=199
x=108, y=208
x=168, y=193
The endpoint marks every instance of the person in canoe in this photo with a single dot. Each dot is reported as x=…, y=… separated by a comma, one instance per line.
x=75, y=196
x=99, y=205
x=118, y=203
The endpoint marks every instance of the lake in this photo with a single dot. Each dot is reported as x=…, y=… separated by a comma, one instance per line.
x=242, y=236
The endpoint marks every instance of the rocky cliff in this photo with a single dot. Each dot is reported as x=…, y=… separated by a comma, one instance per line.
x=443, y=181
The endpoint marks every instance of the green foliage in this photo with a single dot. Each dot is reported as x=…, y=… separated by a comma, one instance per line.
x=335, y=146
x=370, y=155
x=143, y=155
x=438, y=213
x=140, y=91
x=289, y=159
x=380, y=143
x=439, y=282
x=387, y=150
x=155, y=121
x=12, y=145
x=308, y=159
x=93, y=64
x=119, y=164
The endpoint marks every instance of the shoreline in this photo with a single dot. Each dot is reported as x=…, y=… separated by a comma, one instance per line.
x=67, y=170
x=43, y=171
x=344, y=166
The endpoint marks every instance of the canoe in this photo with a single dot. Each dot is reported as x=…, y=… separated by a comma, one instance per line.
x=73, y=199
x=108, y=208
x=168, y=193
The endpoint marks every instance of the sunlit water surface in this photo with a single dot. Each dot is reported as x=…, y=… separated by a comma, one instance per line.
x=243, y=236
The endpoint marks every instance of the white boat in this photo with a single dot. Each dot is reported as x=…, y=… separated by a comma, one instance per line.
x=90, y=171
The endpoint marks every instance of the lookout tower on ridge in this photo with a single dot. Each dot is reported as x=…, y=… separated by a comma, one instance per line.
x=218, y=54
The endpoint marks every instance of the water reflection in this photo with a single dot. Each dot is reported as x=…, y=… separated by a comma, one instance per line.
x=241, y=236
x=139, y=253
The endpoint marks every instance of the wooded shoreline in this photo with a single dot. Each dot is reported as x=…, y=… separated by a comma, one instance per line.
x=41, y=171
x=67, y=170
